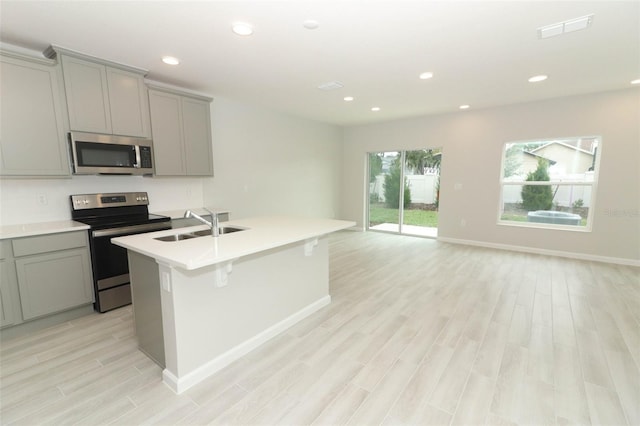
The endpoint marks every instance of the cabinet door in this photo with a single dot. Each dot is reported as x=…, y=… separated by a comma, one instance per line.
x=196, y=119
x=33, y=135
x=87, y=95
x=166, y=128
x=54, y=282
x=7, y=283
x=128, y=103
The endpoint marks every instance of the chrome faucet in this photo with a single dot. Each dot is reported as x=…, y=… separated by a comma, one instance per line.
x=215, y=232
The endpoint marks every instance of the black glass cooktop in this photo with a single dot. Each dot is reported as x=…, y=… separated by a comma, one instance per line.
x=119, y=221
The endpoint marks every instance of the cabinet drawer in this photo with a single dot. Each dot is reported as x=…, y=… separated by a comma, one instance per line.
x=5, y=249
x=48, y=243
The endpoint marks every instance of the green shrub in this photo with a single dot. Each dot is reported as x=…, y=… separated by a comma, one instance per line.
x=538, y=197
x=392, y=188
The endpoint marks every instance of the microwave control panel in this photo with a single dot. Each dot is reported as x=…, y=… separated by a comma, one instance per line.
x=145, y=157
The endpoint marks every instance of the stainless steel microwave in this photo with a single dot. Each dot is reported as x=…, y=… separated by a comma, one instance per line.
x=93, y=153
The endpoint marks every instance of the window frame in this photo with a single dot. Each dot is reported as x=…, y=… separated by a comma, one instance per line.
x=552, y=183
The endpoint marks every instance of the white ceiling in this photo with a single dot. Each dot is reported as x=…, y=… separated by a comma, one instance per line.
x=481, y=52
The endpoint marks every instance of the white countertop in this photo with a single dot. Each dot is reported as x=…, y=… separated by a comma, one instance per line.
x=179, y=214
x=41, y=228
x=263, y=233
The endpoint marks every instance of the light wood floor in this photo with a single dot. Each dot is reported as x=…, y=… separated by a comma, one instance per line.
x=419, y=332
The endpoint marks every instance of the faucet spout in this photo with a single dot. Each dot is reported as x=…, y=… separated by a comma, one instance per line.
x=215, y=232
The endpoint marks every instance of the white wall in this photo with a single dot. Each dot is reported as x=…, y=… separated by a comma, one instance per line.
x=22, y=199
x=268, y=163
x=472, y=144
x=264, y=163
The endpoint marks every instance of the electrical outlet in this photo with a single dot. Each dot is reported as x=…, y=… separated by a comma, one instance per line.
x=42, y=200
x=463, y=223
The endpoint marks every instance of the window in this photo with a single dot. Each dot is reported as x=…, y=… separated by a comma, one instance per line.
x=550, y=183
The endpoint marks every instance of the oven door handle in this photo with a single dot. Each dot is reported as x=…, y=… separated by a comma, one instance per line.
x=128, y=230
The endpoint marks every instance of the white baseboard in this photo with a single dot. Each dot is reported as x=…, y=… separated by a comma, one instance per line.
x=355, y=228
x=181, y=384
x=559, y=253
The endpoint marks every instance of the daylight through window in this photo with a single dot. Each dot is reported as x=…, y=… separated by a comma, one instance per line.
x=550, y=183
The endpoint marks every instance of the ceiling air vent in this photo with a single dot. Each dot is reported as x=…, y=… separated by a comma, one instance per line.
x=332, y=85
x=565, y=27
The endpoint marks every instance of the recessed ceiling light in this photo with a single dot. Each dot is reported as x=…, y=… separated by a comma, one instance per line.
x=636, y=81
x=375, y=109
x=348, y=98
x=426, y=75
x=170, y=60
x=537, y=78
x=310, y=24
x=242, y=28
x=464, y=107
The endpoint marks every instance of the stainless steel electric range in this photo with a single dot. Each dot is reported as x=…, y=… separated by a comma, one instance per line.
x=113, y=215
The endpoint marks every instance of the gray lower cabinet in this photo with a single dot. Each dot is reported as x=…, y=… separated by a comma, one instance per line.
x=43, y=276
x=8, y=286
x=53, y=282
x=32, y=117
x=7, y=281
x=181, y=131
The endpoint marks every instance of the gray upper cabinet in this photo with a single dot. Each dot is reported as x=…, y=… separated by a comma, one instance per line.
x=33, y=128
x=196, y=118
x=181, y=128
x=129, y=103
x=166, y=128
x=87, y=95
x=102, y=96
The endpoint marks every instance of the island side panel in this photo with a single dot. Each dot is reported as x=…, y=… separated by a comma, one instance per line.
x=207, y=327
x=147, y=312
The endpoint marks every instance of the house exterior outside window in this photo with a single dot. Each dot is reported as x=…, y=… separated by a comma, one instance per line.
x=550, y=183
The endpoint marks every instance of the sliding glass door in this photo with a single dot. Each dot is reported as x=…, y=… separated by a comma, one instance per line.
x=384, y=180
x=404, y=190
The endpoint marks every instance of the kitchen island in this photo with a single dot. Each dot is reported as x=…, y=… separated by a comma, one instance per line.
x=203, y=302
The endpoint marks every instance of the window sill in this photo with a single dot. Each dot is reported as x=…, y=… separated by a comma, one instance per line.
x=536, y=225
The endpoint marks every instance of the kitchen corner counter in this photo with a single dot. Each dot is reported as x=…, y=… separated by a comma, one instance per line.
x=261, y=234
x=40, y=228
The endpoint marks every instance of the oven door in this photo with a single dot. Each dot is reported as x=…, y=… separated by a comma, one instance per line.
x=110, y=264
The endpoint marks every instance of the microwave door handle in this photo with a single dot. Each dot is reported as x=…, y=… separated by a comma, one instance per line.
x=138, y=161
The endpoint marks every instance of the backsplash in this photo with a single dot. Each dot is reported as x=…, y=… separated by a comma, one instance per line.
x=44, y=200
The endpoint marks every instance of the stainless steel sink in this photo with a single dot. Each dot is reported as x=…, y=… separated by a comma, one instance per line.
x=205, y=232
x=176, y=237
x=230, y=230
